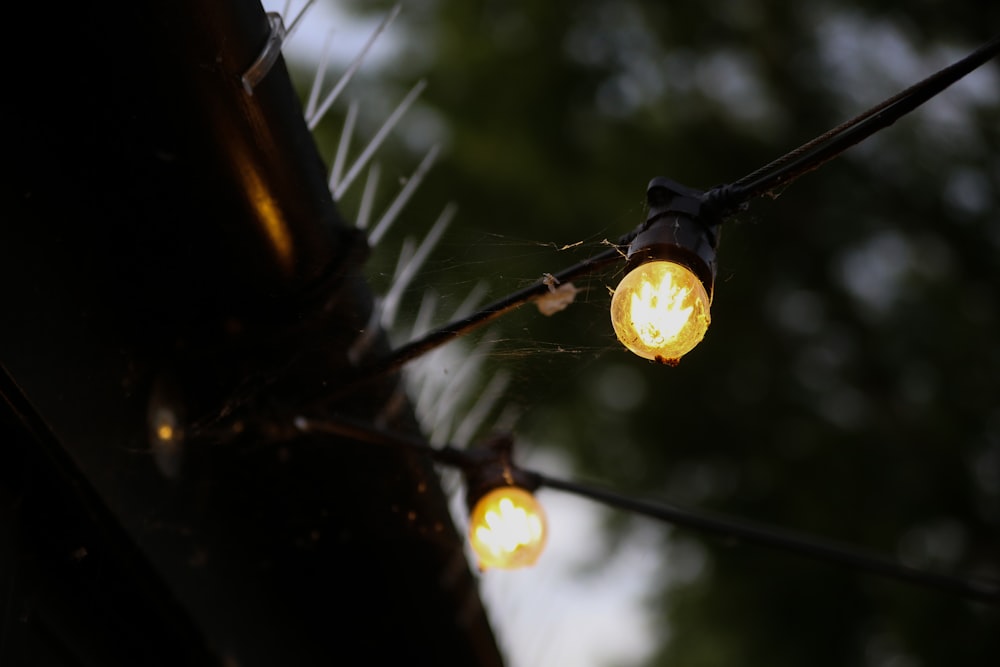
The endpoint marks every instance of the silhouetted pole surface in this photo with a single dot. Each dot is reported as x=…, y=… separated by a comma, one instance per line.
x=169, y=248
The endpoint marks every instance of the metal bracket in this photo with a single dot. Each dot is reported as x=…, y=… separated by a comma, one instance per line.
x=265, y=61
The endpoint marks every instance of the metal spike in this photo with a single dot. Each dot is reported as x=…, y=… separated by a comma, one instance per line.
x=483, y=406
x=317, y=85
x=298, y=17
x=361, y=344
x=379, y=137
x=428, y=304
x=368, y=197
x=345, y=142
x=404, y=195
x=471, y=300
x=313, y=120
x=447, y=405
x=409, y=271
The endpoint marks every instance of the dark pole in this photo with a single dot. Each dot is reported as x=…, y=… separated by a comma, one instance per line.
x=169, y=249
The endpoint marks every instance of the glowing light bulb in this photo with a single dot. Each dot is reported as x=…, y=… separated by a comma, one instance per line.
x=660, y=311
x=165, y=431
x=507, y=529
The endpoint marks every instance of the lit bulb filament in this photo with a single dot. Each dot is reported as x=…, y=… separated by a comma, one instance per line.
x=508, y=528
x=658, y=311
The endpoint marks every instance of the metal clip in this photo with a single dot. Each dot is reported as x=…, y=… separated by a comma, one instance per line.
x=265, y=61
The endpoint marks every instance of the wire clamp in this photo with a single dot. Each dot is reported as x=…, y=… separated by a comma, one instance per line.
x=268, y=55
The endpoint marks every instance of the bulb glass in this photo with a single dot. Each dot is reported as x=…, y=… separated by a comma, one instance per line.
x=660, y=311
x=507, y=529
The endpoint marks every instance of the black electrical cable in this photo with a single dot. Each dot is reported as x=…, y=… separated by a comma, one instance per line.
x=723, y=200
x=817, y=152
x=399, y=357
x=781, y=540
x=715, y=524
x=357, y=430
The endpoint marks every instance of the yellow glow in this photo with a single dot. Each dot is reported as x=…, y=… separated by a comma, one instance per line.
x=660, y=311
x=271, y=217
x=165, y=432
x=267, y=209
x=507, y=529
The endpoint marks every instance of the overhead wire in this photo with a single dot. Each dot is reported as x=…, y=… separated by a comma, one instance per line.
x=468, y=460
x=722, y=201
x=827, y=146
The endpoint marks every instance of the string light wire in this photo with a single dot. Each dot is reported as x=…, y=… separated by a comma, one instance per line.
x=469, y=460
x=722, y=200
x=817, y=152
x=399, y=357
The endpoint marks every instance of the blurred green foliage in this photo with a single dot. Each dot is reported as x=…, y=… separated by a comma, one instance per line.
x=850, y=383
